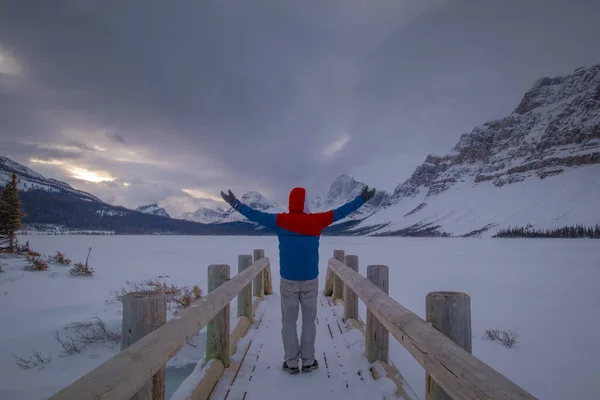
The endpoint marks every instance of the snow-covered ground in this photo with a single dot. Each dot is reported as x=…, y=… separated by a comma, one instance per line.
x=546, y=290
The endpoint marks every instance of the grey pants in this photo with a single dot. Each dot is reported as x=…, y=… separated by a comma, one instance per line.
x=293, y=294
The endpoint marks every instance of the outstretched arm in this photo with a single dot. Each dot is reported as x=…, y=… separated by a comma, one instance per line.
x=265, y=219
x=348, y=208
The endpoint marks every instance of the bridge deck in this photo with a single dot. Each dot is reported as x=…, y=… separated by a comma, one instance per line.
x=344, y=372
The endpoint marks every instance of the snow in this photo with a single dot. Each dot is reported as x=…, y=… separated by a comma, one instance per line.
x=562, y=200
x=546, y=290
x=153, y=209
x=343, y=369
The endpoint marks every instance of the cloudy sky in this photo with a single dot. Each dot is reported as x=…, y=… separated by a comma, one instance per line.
x=171, y=102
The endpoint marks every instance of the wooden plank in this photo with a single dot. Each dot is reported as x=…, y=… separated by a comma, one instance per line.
x=244, y=298
x=378, y=338
x=217, y=331
x=338, y=284
x=121, y=376
x=212, y=373
x=350, y=298
x=459, y=373
x=449, y=313
x=259, y=281
x=143, y=312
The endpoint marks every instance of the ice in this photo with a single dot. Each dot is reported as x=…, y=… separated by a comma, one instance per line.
x=546, y=290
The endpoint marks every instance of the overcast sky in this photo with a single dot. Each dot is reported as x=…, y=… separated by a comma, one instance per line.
x=171, y=102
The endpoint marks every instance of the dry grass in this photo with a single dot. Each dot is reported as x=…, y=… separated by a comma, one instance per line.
x=87, y=333
x=69, y=345
x=508, y=338
x=81, y=269
x=94, y=331
x=35, y=360
x=36, y=263
x=180, y=296
x=60, y=258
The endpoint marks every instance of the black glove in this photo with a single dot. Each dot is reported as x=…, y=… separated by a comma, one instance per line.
x=229, y=198
x=367, y=194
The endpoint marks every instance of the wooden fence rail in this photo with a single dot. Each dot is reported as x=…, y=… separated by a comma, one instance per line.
x=459, y=374
x=123, y=375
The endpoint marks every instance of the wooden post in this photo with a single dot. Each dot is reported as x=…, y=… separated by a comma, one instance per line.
x=244, y=298
x=377, y=338
x=449, y=313
x=338, y=284
x=259, y=281
x=350, y=298
x=143, y=312
x=328, y=283
x=217, y=330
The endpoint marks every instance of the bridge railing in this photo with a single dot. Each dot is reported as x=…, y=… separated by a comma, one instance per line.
x=137, y=371
x=442, y=344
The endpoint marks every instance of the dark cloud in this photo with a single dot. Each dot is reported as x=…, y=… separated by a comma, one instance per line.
x=259, y=95
x=115, y=137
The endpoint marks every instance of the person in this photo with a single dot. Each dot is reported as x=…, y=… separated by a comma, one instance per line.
x=298, y=232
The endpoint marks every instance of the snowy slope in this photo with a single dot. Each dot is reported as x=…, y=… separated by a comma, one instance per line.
x=343, y=190
x=153, y=209
x=31, y=180
x=539, y=166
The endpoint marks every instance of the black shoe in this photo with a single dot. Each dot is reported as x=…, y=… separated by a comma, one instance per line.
x=308, y=368
x=292, y=371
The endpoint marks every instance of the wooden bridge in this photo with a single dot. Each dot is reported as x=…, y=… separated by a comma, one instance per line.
x=245, y=363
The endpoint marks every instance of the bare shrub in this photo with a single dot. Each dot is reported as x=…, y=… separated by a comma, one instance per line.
x=69, y=345
x=83, y=269
x=61, y=259
x=507, y=337
x=35, y=360
x=36, y=263
x=2, y=267
x=180, y=296
x=94, y=331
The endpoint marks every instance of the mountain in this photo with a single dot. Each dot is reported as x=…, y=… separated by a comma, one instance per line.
x=539, y=166
x=49, y=203
x=220, y=216
x=153, y=209
x=30, y=180
x=205, y=215
x=345, y=189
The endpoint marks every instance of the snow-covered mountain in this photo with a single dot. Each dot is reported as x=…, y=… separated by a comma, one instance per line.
x=219, y=215
x=31, y=180
x=51, y=203
x=153, y=209
x=345, y=189
x=539, y=166
x=205, y=215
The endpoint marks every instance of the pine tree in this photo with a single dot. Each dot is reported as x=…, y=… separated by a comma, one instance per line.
x=10, y=213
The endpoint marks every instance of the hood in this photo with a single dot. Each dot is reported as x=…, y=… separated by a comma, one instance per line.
x=298, y=203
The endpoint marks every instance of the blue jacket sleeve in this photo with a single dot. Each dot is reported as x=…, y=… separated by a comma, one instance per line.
x=265, y=219
x=347, y=209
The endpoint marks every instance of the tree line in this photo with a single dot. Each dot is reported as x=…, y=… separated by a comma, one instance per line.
x=566, y=232
x=11, y=214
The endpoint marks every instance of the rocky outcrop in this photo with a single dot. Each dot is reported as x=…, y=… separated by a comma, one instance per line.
x=556, y=126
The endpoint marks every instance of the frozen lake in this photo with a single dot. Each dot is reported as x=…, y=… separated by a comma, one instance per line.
x=546, y=290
